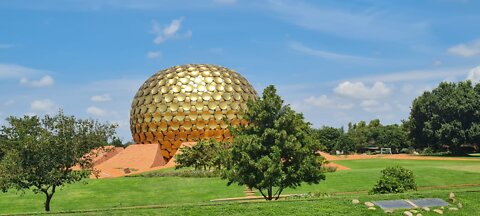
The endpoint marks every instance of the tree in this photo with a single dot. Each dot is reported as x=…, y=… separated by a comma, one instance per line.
x=275, y=151
x=358, y=133
x=392, y=136
x=449, y=115
x=204, y=155
x=328, y=137
x=40, y=154
x=117, y=142
x=345, y=143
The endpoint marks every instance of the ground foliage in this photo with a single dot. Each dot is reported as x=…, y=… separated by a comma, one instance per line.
x=275, y=151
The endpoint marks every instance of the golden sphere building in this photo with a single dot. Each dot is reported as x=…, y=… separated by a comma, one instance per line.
x=187, y=103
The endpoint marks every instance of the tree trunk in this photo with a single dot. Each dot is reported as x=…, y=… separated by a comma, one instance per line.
x=278, y=193
x=47, y=202
x=270, y=190
x=49, y=198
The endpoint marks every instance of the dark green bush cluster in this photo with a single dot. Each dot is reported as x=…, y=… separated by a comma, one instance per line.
x=394, y=180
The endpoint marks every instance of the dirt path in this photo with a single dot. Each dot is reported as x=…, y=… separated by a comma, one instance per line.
x=330, y=157
x=338, y=166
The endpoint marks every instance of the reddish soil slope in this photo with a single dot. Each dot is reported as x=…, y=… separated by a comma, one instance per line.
x=134, y=159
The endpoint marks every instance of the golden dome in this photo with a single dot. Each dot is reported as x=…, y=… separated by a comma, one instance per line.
x=187, y=103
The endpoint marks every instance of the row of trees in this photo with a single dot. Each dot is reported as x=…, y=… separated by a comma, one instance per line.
x=445, y=119
x=362, y=136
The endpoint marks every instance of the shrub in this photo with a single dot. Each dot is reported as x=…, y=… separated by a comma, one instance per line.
x=204, y=155
x=430, y=152
x=329, y=168
x=309, y=195
x=394, y=180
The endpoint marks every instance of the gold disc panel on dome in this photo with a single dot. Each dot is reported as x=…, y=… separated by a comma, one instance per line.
x=187, y=103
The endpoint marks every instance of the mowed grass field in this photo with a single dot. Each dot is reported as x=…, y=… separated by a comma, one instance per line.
x=187, y=196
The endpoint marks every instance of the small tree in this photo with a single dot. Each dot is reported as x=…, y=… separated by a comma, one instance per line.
x=275, y=151
x=394, y=180
x=39, y=154
x=204, y=155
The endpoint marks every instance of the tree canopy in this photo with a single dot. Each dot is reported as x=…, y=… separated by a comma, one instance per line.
x=362, y=135
x=448, y=116
x=40, y=153
x=275, y=151
x=204, y=155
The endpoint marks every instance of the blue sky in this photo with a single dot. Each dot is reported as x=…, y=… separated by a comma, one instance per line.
x=335, y=61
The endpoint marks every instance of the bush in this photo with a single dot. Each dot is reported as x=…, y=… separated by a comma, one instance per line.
x=329, y=168
x=430, y=152
x=206, y=155
x=308, y=195
x=394, y=180
x=406, y=151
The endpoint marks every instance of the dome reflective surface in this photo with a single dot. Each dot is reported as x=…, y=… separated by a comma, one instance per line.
x=187, y=103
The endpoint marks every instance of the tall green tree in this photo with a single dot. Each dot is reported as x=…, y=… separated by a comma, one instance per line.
x=328, y=137
x=40, y=154
x=275, y=151
x=449, y=115
x=392, y=136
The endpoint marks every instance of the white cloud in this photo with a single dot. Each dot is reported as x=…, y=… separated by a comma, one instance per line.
x=466, y=50
x=359, y=90
x=16, y=71
x=474, y=75
x=170, y=31
x=375, y=106
x=97, y=111
x=45, y=81
x=326, y=102
x=437, y=63
x=173, y=27
x=154, y=54
x=328, y=55
x=101, y=98
x=369, y=103
x=225, y=1
x=43, y=106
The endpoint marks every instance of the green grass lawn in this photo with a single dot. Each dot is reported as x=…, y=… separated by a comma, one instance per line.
x=364, y=174
x=337, y=205
x=192, y=195
x=118, y=192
